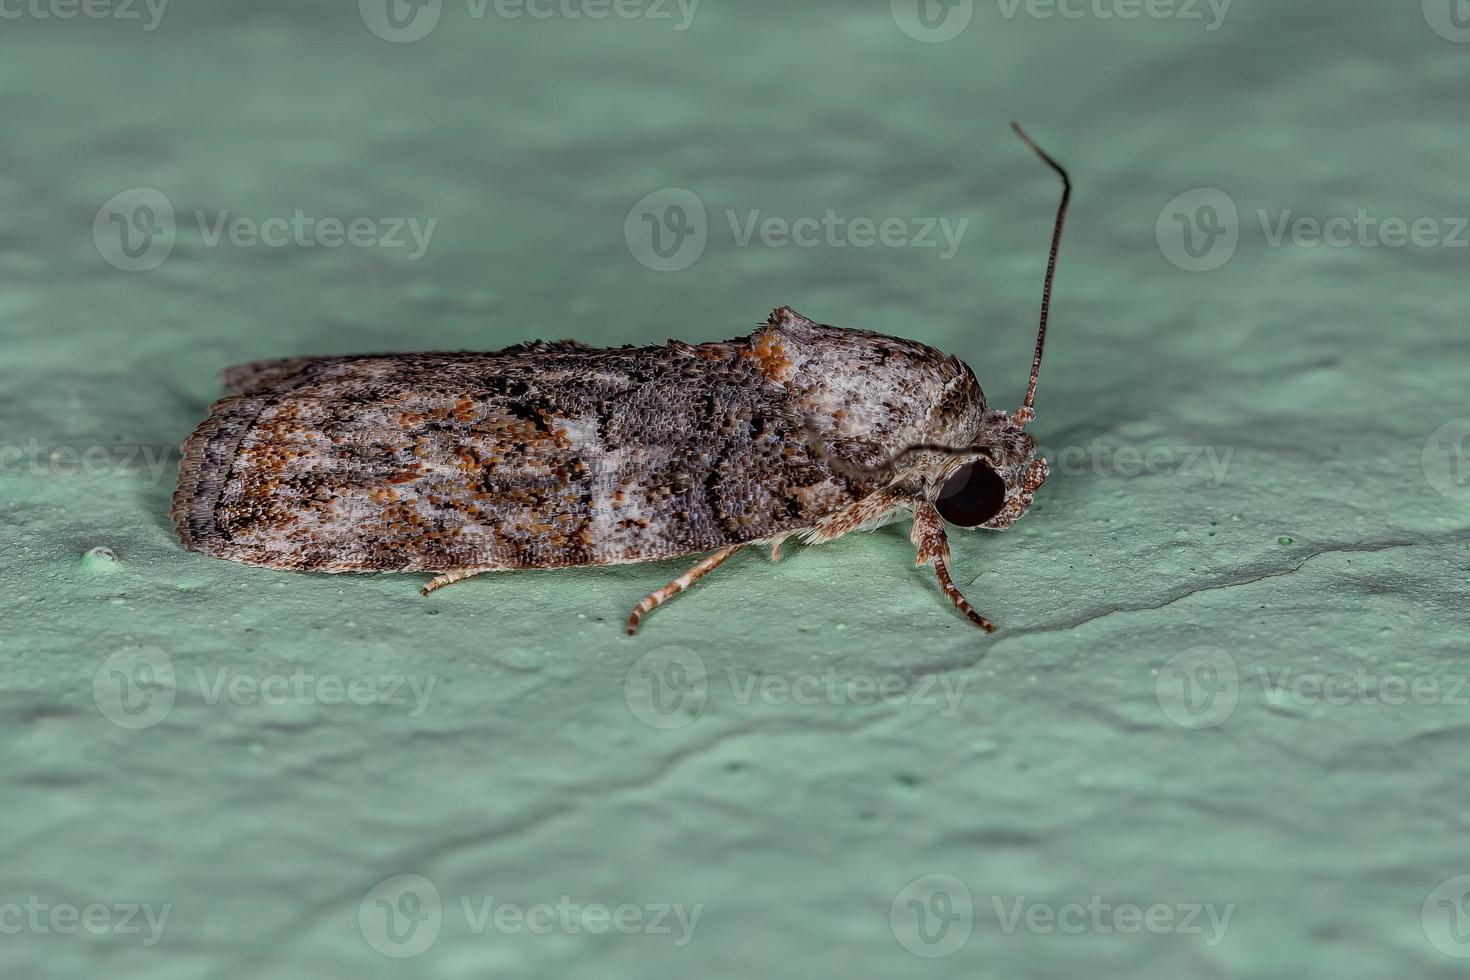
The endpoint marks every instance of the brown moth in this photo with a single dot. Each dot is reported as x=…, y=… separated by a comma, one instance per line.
x=557, y=454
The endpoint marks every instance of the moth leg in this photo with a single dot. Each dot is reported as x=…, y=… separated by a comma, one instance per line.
x=660, y=596
x=776, y=543
x=869, y=512
x=929, y=538
x=450, y=577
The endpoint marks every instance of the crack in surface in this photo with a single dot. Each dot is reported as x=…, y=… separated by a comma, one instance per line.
x=418, y=860
x=1017, y=633
x=1217, y=586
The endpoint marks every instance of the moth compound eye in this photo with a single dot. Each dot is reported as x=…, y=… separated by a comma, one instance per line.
x=974, y=495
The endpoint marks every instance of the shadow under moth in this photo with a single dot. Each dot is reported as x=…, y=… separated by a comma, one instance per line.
x=548, y=455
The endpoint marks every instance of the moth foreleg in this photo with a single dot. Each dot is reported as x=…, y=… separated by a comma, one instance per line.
x=660, y=596
x=929, y=538
x=450, y=577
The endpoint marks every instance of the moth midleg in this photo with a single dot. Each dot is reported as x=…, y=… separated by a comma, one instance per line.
x=933, y=545
x=450, y=577
x=660, y=596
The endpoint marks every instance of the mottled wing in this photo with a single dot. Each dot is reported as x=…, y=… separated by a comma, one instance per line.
x=537, y=456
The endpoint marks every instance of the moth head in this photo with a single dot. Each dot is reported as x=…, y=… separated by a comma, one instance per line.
x=989, y=477
x=991, y=484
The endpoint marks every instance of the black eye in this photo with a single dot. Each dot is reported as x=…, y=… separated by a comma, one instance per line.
x=972, y=496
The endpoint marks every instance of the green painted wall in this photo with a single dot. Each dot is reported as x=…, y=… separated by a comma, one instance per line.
x=1221, y=731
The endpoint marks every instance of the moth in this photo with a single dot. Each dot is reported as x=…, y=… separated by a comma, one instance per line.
x=548, y=455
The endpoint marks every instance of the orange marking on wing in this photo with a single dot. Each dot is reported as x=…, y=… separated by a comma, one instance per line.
x=770, y=356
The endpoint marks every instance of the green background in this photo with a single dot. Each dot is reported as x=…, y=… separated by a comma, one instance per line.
x=1184, y=705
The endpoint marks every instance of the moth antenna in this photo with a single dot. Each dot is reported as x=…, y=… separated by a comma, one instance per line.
x=1027, y=411
x=818, y=445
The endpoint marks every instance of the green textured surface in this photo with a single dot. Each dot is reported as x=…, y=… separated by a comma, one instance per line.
x=792, y=817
